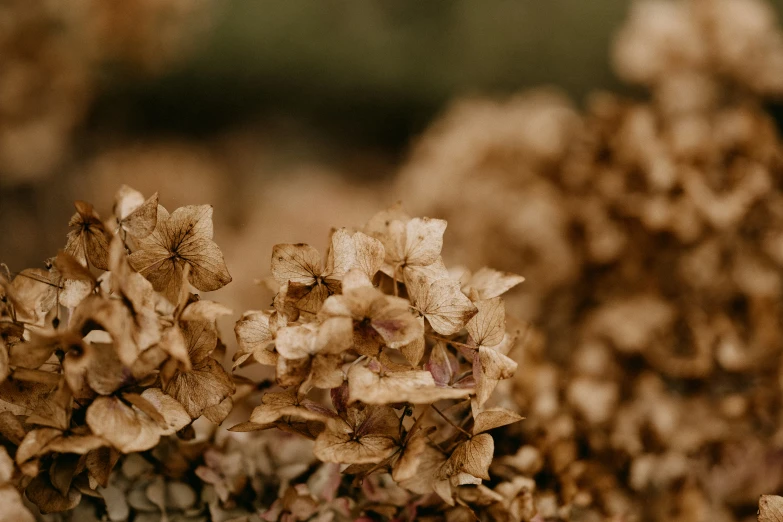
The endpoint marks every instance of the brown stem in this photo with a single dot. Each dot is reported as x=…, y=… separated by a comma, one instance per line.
x=436, y=446
x=384, y=462
x=450, y=421
x=16, y=321
x=444, y=339
x=44, y=281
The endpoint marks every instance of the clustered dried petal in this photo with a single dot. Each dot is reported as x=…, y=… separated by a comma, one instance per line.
x=651, y=233
x=408, y=353
x=111, y=380
x=99, y=360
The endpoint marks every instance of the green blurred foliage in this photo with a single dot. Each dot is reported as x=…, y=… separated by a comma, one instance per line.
x=376, y=69
x=373, y=70
x=384, y=67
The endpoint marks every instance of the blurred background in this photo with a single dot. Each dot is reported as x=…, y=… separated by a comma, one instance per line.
x=224, y=101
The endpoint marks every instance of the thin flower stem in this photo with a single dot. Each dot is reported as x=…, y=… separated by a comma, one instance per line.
x=384, y=462
x=444, y=339
x=27, y=374
x=354, y=363
x=402, y=419
x=436, y=445
x=44, y=281
x=450, y=421
x=17, y=322
x=358, y=360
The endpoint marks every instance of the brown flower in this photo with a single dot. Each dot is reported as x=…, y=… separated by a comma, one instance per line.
x=182, y=238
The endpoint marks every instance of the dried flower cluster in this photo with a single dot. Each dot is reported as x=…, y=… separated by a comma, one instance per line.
x=651, y=233
x=409, y=356
x=96, y=366
x=49, y=53
x=383, y=358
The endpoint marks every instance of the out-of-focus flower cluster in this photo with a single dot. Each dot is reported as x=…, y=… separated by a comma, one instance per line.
x=692, y=51
x=50, y=55
x=652, y=237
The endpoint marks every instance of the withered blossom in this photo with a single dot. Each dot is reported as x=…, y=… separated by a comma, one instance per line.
x=108, y=368
x=128, y=362
x=395, y=339
x=181, y=239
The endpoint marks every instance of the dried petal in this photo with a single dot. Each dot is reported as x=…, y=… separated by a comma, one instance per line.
x=218, y=413
x=6, y=466
x=173, y=416
x=427, y=472
x=488, y=326
x=99, y=464
x=254, y=337
x=207, y=384
x=110, y=418
x=423, y=241
x=88, y=240
x=494, y=418
x=415, y=387
x=41, y=493
x=134, y=214
x=33, y=293
x=472, y=456
x=489, y=283
x=489, y=367
x=770, y=508
x=204, y=310
x=366, y=437
x=443, y=304
x=14, y=509
x=342, y=447
x=180, y=238
x=297, y=263
x=408, y=464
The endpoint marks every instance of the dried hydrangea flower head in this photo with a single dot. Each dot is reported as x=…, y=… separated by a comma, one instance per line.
x=652, y=386
x=97, y=361
x=408, y=354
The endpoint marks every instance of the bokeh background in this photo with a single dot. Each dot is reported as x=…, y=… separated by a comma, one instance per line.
x=230, y=101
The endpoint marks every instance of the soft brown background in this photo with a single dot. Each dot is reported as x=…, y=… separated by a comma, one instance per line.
x=289, y=117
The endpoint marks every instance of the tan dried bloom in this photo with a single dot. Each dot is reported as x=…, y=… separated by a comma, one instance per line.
x=181, y=239
x=361, y=325
x=98, y=366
